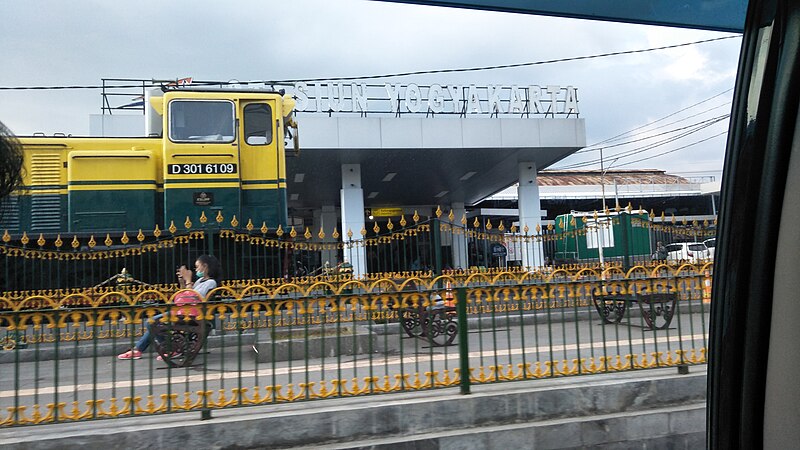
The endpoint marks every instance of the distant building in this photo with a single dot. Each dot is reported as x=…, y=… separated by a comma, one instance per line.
x=564, y=191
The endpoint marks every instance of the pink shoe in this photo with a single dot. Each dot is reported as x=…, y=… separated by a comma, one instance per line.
x=174, y=354
x=130, y=354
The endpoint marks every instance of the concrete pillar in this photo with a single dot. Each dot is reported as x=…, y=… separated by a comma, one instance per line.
x=352, y=204
x=530, y=214
x=327, y=220
x=459, y=245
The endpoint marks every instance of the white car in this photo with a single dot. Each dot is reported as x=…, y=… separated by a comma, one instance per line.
x=691, y=252
x=711, y=245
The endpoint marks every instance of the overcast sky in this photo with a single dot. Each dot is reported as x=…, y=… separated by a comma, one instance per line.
x=78, y=43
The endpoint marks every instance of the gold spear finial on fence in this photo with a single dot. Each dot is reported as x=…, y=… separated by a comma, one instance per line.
x=75, y=243
x=376, y=228
x=335, y=233
x=321, y=234
x=652, y=214
x=234, y=222
x=476, y=223
x=415, y=217
x=292, y=232
x=187, y=223
x=403, y=220
x=108, y=240
x=92, y=242
x=307, y=234
x=525, y=229
x=279, y=231
x=513, y=228
x=203, y=218
x=264, y=227
x=219, y=217
x=501, y=227
x=538, y=229
x=438, y=211
x=140, y=236
x=364, y=231
x=172, y=228
x=488, y=224
x=6, y=236
x=464, y=219
x=41, y=240
x=349, y=234
x=124, y=239
x=390, y=225
x=156, y=231
x=249, y=226
x=58, y=243
x=24, y=239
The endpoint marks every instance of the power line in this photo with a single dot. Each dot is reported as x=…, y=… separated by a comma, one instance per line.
x=660, y=119
x=619, y=144
x=674, y=150
x=699, y=126
x=375, y=77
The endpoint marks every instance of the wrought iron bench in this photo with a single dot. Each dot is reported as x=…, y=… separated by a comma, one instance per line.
x=178, y=343
x=179, y=338
x=657, y=309
x=436, y=323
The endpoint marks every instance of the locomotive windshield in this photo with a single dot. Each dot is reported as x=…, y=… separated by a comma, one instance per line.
x=201, y=121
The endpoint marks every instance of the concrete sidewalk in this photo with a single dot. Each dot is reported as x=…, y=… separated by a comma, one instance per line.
x=619, y=410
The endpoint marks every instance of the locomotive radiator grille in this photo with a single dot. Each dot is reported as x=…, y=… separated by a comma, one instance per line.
x=45, y=199
x=9, y=213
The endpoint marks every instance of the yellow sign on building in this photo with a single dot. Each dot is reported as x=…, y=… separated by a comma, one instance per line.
x=387, y=212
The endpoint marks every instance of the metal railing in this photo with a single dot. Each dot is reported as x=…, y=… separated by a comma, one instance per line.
x=287, y=343
x=274, y=334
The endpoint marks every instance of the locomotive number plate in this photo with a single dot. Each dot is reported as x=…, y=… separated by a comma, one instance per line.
x=201, y=169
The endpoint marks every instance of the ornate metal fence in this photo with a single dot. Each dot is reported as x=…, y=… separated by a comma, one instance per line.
x=269, y=338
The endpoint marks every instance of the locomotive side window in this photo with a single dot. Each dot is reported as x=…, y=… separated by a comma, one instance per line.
x=258, y=124
x=201, y=121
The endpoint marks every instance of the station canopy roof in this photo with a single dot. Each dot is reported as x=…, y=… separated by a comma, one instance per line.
x=409, y=161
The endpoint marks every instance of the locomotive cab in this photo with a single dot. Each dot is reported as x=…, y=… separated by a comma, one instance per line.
x=223, y=154
x=207, y=152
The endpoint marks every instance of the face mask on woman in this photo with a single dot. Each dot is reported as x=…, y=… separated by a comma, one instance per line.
x=200, y=273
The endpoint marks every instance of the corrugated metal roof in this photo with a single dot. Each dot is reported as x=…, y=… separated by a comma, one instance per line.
x=594, y=177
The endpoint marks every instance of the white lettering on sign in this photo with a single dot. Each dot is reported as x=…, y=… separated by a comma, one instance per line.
x=359, y=97
x=398, y=98
x=494, y=100
x=517, y=101
x=413, y=98
x=436, y=98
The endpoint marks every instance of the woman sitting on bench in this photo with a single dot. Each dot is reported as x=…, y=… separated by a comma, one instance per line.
x=208, y=272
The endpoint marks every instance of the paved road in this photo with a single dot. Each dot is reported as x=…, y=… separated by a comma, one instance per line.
x=227, y=368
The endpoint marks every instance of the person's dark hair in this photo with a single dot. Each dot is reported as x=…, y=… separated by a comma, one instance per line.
x=10, y=162
x=214, y=268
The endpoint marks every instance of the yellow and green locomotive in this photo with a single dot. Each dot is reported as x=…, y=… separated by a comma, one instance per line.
x=207, y=152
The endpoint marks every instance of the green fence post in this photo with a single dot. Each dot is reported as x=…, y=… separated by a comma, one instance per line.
x=626, y=245
x=436, y=243
x=463, y=344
